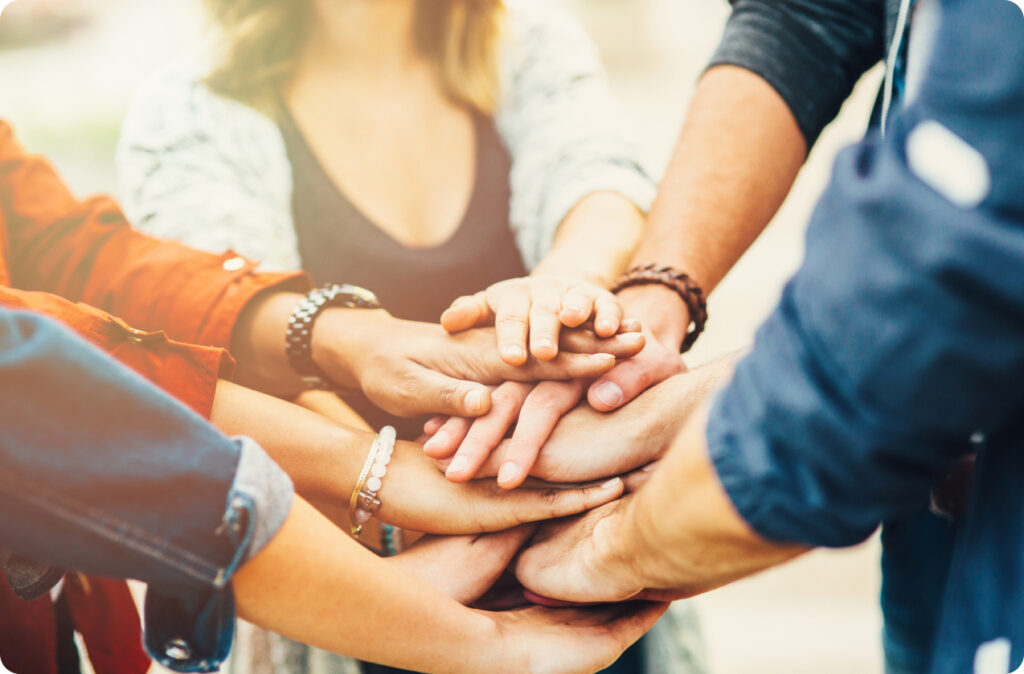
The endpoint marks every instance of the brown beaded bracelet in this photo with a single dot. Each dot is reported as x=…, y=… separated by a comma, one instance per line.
x=684, y=286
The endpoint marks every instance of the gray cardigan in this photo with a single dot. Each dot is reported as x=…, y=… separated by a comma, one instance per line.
x=213, y=173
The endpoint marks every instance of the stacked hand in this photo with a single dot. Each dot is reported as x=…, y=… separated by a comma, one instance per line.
x=466, y=445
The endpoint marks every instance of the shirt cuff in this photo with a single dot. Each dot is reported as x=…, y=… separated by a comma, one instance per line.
x=266, y=490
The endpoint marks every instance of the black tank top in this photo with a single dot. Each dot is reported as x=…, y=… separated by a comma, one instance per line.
x=338, y=243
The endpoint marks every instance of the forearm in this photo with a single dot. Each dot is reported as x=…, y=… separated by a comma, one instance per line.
x=596, y=239
x=682, y=533
x=314, y=584
x=322, y=458
x=258, y=343
x=738, y=155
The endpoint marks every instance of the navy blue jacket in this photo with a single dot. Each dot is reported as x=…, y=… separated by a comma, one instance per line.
x=902, y=335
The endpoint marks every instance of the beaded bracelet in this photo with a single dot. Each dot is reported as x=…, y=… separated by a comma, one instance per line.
x=364, y=502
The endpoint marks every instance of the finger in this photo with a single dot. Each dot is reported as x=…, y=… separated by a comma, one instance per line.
x=488, y=431
x=433, y=425
x=544, y=504
x=543, y=407
x=565, y=366
x=630, y=378
x=607, y=315
x=630, y=325
x=544, y=323
x=577, y=306
x=625, y=345
x=637, y=478
x=436, y=393
x=467, y=312
x=511, y=322
x=448, y=437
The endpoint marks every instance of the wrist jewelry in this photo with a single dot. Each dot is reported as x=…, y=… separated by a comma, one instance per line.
x=299, y=336
x=364, y=502
x=684, y=286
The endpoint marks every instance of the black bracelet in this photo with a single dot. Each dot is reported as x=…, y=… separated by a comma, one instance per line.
x=299, y=336
x=684, y=286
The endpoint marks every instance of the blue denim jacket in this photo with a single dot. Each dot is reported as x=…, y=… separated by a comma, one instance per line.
x=902, y=336
x=103, y=473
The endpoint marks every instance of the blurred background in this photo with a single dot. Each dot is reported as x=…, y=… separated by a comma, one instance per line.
x=65, y=83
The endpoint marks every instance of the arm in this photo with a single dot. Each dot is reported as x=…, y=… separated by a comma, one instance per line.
x=579, y=191
x=839, y=420
x=87, y=252
x=780, y=74
x=315, y=585
x=324, y=460
x=75, y=500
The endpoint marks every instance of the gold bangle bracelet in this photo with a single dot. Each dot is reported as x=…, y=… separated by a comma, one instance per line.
x=353, y=503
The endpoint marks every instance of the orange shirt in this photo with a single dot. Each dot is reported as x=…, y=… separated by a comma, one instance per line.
x=162, y=308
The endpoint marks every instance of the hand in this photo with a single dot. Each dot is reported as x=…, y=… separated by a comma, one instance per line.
x=580, y=560
x=410, y=368
x=535, y=307
x=416, y=496
x=587, y=445
x=534, y=409
x=556, y=641
x=463, y=567
x=665, y=320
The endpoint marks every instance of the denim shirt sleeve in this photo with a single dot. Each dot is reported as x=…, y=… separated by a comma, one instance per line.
x=102, y=472
x=902, y=334
x=811, y=52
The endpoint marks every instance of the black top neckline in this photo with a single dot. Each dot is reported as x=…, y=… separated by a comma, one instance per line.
x=301, y=144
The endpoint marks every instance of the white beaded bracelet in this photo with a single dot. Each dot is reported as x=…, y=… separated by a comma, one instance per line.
x=364, y=502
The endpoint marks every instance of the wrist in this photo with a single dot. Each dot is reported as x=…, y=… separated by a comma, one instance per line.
x=342, y=338
x=659, y=309
x=483, y=635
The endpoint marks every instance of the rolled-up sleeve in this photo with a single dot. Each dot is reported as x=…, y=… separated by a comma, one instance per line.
x=103, y=473
x=902, y=334
x=812, y=53
x=559, y=121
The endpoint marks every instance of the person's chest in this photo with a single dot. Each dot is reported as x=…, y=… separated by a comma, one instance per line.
x=408, y=166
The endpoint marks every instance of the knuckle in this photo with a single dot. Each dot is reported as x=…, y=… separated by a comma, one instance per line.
x=514, y=318
x=449, y=394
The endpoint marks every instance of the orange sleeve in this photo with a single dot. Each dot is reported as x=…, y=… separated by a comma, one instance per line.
x=86, y=251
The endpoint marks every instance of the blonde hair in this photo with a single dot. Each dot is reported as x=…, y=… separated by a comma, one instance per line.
x=262, y=38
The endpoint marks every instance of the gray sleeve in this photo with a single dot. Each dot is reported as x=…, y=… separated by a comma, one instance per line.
x=812, y=52
x=560, y=123
x=268, y=490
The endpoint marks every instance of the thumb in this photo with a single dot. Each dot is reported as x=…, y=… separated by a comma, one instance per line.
x=555, y=502
x=630, y=378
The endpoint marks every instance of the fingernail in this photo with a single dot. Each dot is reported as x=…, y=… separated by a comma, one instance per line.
x=508, y=472
x=606, y=325
x=439, y=439
x=611, y=484
x=608, y=393
x=458, y=464
x=514, y=353
x=631, y=337
x=475, y=400
x=603, y=357
x=649, y=467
